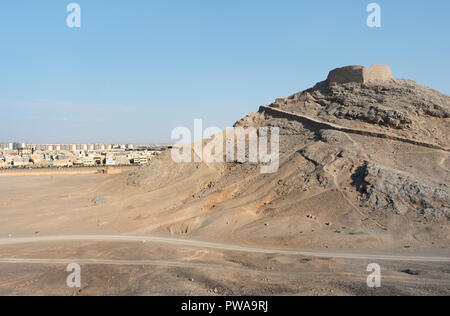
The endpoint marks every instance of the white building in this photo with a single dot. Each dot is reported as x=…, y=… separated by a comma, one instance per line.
x=110, y=161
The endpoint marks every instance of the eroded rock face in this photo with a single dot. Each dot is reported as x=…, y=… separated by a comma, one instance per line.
x=389, y=189
x=360, y=74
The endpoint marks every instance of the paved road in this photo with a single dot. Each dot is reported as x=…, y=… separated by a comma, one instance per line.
x=219, y=246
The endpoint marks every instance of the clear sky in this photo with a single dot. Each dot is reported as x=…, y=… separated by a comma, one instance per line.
x=136, y=69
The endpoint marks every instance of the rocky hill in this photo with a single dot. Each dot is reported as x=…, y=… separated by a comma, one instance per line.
x=364, y=161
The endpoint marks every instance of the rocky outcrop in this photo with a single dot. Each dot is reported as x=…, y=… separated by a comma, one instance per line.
x=367, y=100
x=320, y=125
x=385, y=188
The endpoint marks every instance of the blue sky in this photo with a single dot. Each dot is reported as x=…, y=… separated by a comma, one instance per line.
x=137, y=69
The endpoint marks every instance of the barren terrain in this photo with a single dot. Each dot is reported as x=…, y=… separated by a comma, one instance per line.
x=363, y=178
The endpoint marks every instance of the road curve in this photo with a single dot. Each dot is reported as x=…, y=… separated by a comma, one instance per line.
x=220, y=246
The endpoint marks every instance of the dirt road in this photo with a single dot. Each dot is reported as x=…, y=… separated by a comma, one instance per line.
x=218, y=246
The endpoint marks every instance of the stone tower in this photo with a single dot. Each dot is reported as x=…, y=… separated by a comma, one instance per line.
x=360, y=74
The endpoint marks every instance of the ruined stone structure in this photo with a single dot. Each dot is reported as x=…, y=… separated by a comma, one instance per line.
x=360, y=74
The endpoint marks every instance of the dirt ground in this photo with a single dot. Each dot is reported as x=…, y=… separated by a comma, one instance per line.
x=61, y=205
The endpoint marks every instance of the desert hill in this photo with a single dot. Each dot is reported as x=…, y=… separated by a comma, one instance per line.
x=334, y=186
x=363, y=161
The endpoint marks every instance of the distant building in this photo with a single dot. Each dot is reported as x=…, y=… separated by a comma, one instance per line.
x=20, y=162
x=62, y=163
x=122, y=160
x=17, y=146
x=89, y=161
x=24, y=151
x=142, y=160
x=110, y=161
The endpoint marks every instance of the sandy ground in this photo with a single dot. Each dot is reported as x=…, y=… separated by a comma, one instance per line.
x=60, y=205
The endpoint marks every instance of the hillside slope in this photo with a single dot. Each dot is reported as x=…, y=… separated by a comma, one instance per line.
x=374, y=172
